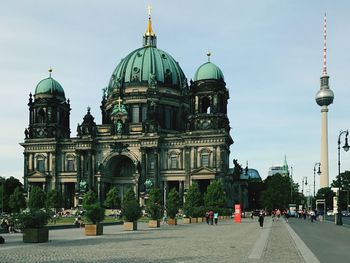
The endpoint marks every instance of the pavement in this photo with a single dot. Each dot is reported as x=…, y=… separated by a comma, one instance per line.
x=199, y=242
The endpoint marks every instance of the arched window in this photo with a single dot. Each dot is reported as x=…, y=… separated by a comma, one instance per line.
x=205, y=157
x=205, y=105
x=41, y=116
x=174, y=160
x=40, y=163
x=70, y=163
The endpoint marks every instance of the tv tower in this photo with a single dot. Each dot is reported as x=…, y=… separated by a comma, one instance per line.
x=324, y=97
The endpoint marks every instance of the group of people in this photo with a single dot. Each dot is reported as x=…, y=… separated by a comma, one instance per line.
x=211, y=217
x=8, y=225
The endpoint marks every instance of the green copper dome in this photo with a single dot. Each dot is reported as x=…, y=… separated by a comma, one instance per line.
x=148, y=66
x=49, y=86
x=208, y=71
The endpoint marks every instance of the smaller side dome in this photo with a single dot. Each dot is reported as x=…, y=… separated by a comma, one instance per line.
x=49, y=86
x=208, y=71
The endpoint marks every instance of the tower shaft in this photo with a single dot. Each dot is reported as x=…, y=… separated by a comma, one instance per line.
x=324, y=177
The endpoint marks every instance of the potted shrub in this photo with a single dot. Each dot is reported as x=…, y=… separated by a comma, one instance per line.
x=193, y=199
x=94, y=214
x=32, y=223
x=172, y=206
x=131, y=211
x=154, y=208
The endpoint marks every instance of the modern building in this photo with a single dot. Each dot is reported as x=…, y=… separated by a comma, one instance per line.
x=280, y=169
x=324, y=98
x=156, y=127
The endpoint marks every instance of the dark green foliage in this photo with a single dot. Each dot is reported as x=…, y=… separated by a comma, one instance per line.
x=36, y=198
x=17, y=200
x=10, y=184
x=193, y=199
x=32, y=218
x=215, y=196
x=112, y=199
x=94, y=213
x=326, y=193
x=276, y=193
x=131, y=209
x=154, y=207
x=54, y=200
x=172, y=203
x=89, y=198
x=199, y=211
x=345, y=185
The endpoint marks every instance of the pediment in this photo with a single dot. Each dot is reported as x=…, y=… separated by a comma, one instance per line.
x=37, y=174
x=203, y=171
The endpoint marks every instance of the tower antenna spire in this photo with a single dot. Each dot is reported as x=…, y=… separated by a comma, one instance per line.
x=324, y=70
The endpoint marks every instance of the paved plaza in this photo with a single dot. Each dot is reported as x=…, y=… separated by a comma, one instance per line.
x=226, y=242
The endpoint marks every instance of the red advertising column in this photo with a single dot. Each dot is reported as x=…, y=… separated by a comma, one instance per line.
x=238, y=214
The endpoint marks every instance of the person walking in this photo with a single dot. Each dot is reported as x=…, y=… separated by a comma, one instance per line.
x=211, y=216
x=261, y=219
x=216, y=217
x=207, y=217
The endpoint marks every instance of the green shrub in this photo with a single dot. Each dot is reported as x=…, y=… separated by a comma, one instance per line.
x=172, y=203
x=112, y=199
x=193, y=199
x=154, y=208
x=31, y=218
x=36, y=198
x=89, y=198
x=94, y=213
x=131, y=209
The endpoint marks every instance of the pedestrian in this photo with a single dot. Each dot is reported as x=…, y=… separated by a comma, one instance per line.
x=207, y=217
x=216, y=217
x=165, y=218
x=211, y=217
x=273, y=214
x=252, y=215
x=278, y=214
x=261, y=219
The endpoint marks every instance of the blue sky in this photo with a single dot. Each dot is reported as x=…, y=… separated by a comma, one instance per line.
x=269, y=51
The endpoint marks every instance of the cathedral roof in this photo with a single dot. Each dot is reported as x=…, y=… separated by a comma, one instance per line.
x=148, y=66
x=49, y=86
x=208, y=71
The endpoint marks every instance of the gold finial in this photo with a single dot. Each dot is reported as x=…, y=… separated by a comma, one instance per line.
x=149, y=31
x=208, y=55
x=50, y=70
x=119, y=100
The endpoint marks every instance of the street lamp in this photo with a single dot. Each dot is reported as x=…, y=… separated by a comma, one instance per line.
x=2, y=180
x=304, y=181
x=346, y=148
x=318, y=172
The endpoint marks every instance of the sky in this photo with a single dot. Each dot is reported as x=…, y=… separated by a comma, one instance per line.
x=270, y=51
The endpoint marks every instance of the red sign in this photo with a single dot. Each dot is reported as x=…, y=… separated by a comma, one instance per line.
x=238, y=213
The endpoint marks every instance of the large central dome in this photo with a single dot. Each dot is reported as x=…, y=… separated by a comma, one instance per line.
x=148, y=66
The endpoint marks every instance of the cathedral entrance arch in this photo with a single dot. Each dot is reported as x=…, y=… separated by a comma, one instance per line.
x=120, y=171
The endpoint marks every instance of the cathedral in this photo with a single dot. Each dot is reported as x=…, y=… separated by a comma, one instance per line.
x=157, y=129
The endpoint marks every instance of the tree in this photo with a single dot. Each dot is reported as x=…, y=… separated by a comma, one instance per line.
x=36, y=198
x=193, y=199
x=345, y=186
x=17, y=200
x=276, y=193
x=173, y=203
x=328, y=194
x=112, y=199
x=54, y=199
x=154, y=203
x=131, y=209
x=215, y=196
x=89, y=198
x=10, y=185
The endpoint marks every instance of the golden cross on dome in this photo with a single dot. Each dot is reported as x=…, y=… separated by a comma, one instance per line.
x=149, y=8
x=119, y=101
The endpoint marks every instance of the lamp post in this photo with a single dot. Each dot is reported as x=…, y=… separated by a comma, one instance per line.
x=304, y=181
x=291, y=184
x=318, y=172
x=346, y=147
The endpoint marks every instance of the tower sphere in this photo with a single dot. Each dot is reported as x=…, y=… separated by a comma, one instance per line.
x=324, y=97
